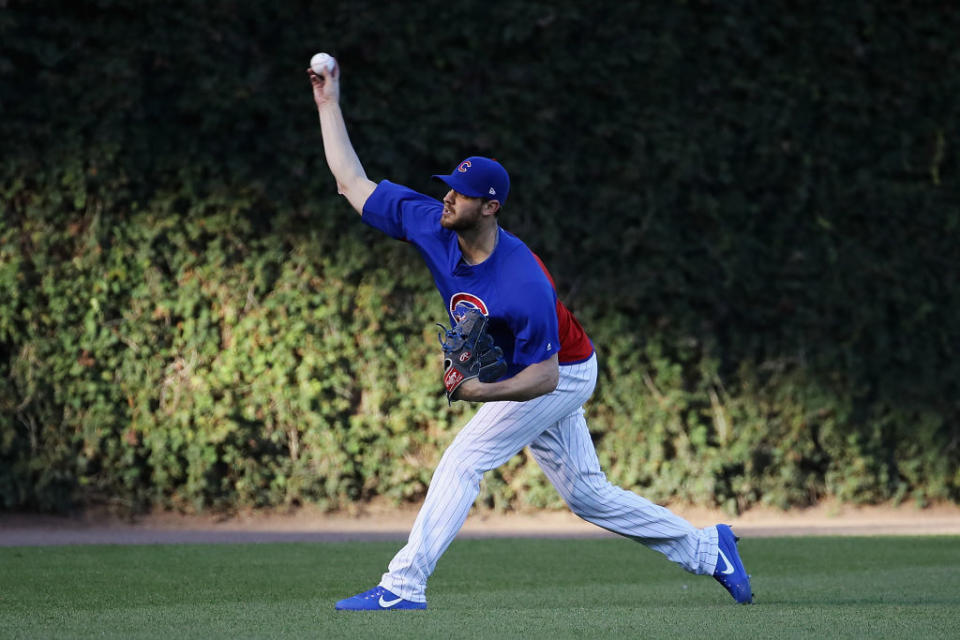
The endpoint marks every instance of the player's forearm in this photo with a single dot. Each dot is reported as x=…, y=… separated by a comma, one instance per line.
x=342, y=159
x=534, y=381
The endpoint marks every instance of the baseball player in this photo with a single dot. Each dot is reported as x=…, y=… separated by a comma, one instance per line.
x=551, y=372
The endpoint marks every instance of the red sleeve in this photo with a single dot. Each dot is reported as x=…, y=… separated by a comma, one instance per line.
x=575, y=345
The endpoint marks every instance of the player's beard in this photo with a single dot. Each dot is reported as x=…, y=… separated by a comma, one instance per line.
x=463, y=220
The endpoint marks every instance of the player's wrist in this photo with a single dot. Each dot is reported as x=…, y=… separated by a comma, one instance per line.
x=470, y=391
x=330, y=104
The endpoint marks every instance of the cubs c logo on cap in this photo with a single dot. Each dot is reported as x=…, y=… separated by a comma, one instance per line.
x=464, y=166
x=461, y=303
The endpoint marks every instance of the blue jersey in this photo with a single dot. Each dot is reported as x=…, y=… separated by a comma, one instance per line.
x=510, y=287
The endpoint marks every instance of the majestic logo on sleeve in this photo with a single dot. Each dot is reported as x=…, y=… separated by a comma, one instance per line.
x=461, y=303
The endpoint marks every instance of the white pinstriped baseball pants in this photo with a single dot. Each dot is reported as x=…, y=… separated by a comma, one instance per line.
x=554, y=428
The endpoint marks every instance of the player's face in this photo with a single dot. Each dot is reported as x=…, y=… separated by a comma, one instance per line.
x=460, y=212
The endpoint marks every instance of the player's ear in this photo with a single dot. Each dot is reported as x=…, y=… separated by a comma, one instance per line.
x=491, y=207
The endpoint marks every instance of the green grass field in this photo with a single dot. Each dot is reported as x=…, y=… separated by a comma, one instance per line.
x=498, y=588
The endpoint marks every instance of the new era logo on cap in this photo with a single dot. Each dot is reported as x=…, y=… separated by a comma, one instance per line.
x=479, y=177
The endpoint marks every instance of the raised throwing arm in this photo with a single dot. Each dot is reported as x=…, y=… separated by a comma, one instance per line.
x=352, y=181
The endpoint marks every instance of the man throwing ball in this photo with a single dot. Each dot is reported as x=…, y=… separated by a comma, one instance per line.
x=551, y=371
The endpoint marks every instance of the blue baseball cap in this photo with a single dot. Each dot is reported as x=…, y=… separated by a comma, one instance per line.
x=479, y=177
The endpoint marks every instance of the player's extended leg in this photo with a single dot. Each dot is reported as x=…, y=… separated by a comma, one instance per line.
x=497, y=432
x=567, y=456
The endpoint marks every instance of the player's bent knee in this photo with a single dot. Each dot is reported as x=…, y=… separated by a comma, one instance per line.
x=455, y=465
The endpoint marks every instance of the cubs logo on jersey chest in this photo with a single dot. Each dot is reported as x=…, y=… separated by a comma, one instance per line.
x=462, y=302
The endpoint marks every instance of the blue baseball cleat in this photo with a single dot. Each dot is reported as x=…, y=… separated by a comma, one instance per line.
x=377, y=599
x=730, y=572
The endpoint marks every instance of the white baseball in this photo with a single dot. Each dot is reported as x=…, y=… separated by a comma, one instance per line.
x=322, y=61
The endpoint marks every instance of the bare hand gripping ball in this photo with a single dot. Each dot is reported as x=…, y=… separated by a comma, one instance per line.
x=321, y=62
